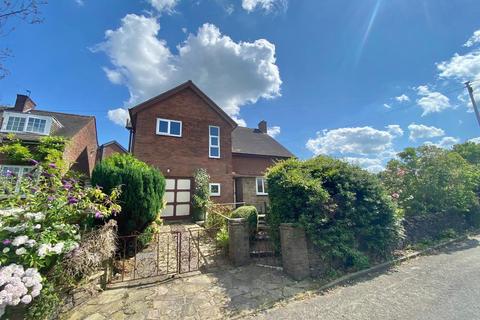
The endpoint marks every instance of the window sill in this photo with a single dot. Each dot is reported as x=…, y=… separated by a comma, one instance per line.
x=262, y=194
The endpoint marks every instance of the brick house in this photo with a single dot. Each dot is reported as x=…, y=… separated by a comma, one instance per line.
x=108, y=149
x=182, y=130
x=30, y=125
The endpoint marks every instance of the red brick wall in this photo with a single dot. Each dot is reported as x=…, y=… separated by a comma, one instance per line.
x=81, y=151
x=179, y=157
x=249, y=165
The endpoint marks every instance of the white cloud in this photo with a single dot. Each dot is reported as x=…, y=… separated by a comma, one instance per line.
x=447, y=142
x=474, y=39
x=431, y=101
x=273, y=131
x=403, y=98
x=113, y=75
x=118, y=116
x=164, y=5
x=395, y=130
x=386, y=105
x=231, y=73
x=475, y=140
x=360, y=141
x=373, y=165
x=267, y=5
x=420, y=131
x=80, y=2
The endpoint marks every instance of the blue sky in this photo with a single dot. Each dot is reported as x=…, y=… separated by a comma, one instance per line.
x=353, y=79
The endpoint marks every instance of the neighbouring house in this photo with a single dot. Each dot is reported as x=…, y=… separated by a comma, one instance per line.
x=30, y=125
x=182, y=130
x=108, y=149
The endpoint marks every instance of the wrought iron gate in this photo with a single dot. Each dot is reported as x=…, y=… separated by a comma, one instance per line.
x=168, y=253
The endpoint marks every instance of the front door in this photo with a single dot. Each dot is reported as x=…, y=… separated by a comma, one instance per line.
x=177, y=195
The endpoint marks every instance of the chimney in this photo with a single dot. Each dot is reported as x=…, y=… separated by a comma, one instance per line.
x=24, y=103
x=262, y=126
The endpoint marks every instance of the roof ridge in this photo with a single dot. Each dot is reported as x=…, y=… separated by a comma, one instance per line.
x=66, y=113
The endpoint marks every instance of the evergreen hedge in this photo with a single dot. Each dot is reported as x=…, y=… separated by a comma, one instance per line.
x=142, y=188
x=345, y=210
x=250, y=214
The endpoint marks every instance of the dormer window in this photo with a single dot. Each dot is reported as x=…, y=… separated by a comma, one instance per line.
x=18, y=123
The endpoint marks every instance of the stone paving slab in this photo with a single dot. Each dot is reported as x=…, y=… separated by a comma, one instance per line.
x=217, y=295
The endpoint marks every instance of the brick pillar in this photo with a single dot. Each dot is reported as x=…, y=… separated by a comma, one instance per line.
x=294, y=251
x=238, y=242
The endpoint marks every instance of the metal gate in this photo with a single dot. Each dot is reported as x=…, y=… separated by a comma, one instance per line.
x=168, y=253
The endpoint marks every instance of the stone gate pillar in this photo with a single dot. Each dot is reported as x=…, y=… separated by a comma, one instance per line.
x=294, y=251
x=238, y=242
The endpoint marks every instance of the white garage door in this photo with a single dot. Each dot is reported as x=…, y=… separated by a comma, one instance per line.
x=177, y=195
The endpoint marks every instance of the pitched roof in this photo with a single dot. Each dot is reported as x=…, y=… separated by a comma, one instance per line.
x=167, y=94
x=70, y=124
x=115, y=142
x=254, y=142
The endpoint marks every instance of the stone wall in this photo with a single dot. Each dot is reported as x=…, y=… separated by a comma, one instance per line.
x=432, y=226
x=250, y=197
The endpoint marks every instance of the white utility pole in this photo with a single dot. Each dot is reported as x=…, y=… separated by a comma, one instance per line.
x=472, y=98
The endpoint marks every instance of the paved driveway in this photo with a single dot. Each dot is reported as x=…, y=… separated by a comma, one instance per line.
x=445, y=285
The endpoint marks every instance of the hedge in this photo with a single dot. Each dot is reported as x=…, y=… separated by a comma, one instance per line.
x=142, y=188
x=250, y=214
x=345, y=210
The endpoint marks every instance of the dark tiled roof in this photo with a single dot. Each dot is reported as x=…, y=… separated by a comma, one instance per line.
x=253, y=141
x=70, y=124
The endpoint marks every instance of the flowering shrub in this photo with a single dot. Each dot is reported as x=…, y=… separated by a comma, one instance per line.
x=18, y=286
x=42, y=217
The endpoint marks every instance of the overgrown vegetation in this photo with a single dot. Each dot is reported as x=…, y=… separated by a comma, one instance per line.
x=142, y=190
x=345, y=210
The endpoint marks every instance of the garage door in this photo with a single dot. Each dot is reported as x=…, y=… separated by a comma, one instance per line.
x=177, y=195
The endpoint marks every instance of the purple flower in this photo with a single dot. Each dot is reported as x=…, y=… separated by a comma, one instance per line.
x=46, y=174
x=9, y=173
x=50, y=198
x=52, y=165
x=67, y=186
x=72, y=200
x=33, y=190
x=98, y=215
x=33, y=162
x=7, y=242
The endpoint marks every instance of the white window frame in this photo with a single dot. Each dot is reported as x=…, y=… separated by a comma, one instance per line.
x=169, y=121
x=22, y=172
x=216, y=194
x=210, y=142
x=263, y=193
x=8, y=115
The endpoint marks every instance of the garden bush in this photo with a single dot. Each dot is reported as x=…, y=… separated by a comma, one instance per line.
x=250, y=214
x=142, y=188
x=346, y=212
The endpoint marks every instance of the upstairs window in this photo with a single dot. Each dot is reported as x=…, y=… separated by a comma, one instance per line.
x=214, y=142
x=14, y=122
x=166, y=127
x=261, y=186
x=36, y=125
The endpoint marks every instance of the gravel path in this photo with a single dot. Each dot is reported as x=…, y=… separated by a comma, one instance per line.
x=442, y=286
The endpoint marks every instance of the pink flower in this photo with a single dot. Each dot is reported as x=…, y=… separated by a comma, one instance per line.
x=98, y=215
x=395, y=195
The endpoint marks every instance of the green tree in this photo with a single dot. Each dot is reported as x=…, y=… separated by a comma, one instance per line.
x=470, y=151
x=201, y=194
x=430, y=180
x=142, y=190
